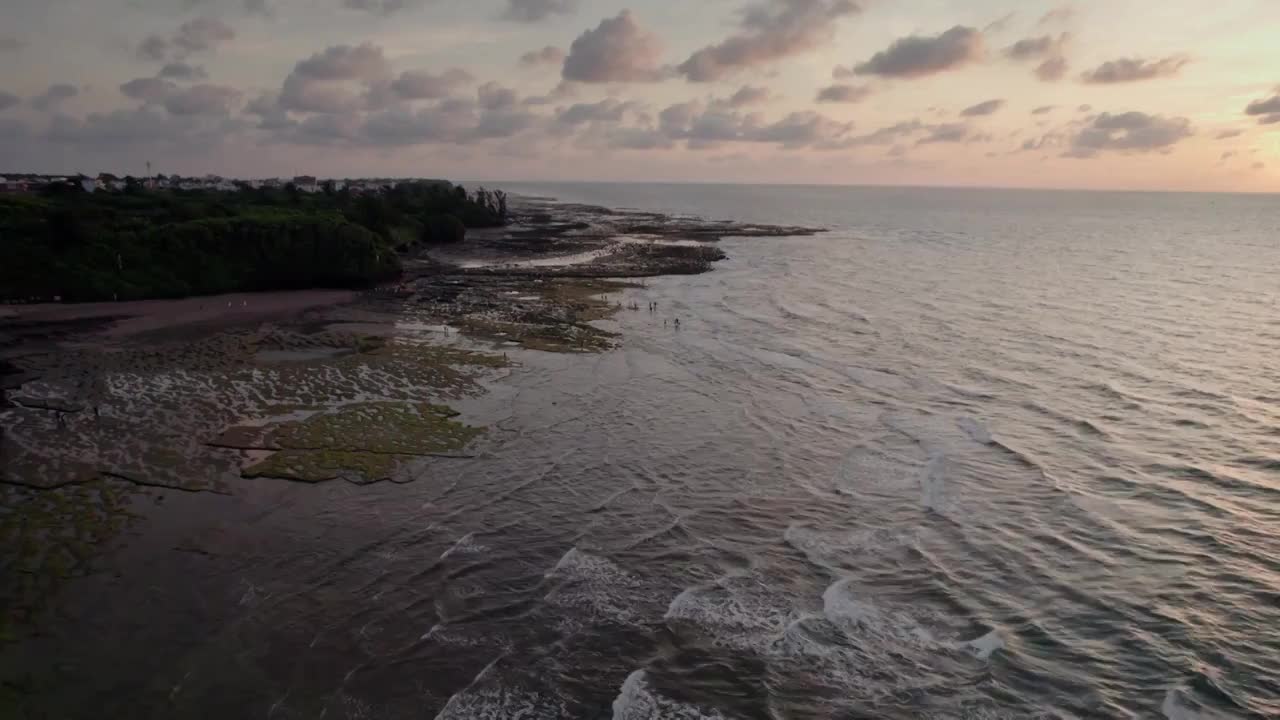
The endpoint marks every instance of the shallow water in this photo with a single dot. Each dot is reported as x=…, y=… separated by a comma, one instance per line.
x=971, y=454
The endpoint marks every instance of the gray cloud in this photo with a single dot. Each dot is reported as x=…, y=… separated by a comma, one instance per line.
x=148, y=90
x=1053, y=69
x=563, y=91
x=182, y=71
x=918, y=56
x=842, y=72
x=1032, y=48
x=154, y=48
x=890, y=134
x=198, y=35
x=609, y=110
x=983, y=108
x=946, y=132
x=138, y=127
x=259, y=7
x=1267, y=111
x=54, y=96
x=1259, y=166
x=202, y=99
x=202, y=34
x=377, y=7
x=531, y=11
x=1126, y=70
x=618, y=50
x=493, y=96
x=320, y=83
x=423, y=85
x=747, y=95
x=770, y=31
x=1044, y=110
x=549, y=55
x=1084, y=108
x=704, y=126
x=1048, y=49
x=8, y=100
x=1228, y=134
x=1129, y=132
x=11, y=43
x=843, y=94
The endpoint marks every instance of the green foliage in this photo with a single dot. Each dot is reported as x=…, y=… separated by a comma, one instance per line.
x=144, y=244
x=443, y=229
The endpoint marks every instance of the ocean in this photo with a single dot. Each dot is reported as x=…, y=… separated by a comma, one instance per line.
x=967, y=454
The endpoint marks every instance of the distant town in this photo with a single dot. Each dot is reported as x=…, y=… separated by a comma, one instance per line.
x=18, y=183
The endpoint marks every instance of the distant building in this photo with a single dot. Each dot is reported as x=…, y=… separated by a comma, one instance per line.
x=12, y=186
x=306, y=183
x=88, y=184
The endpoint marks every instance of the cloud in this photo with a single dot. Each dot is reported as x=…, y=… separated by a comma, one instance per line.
x=843, y=93
x=198, y=35
x=8, y=100
x=618, y=50
x=320, y=83
x=1267, y=111
x=54, y=96
x=709, y=125
x=1053, y=69
x=890, y=134
x=1259, y=166
x=549, y=55
x=531, y=11
x=493, y=96
x=423, y=85
x=1226, y=155
x=202, y=34
x=1129, y=132
x=842, y=72
x=1228, y=134
x=153, y=47
x=1032, y=48
x=983, y=108
x=202, y=99
x=1044, y=110
x=1059, y=15
x=1126, y=70
x=769, y=31
x=1084, y=108
x=377, y=7
x=182, y=71
x=804, y=129
x=11, y=43
x=747, y=95
x=949, y=133
x=1048, y=49
x=609, y=110
x=917, y=56
x=563, y=91
x=148, y=90
x=259, y=7
x=140, y=126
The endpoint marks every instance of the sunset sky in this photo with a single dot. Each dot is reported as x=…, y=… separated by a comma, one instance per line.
x=1180, y=94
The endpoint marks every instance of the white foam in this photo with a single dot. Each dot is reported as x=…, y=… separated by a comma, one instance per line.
x=466, y=544
x=593, y=588
x=983, y=647
x=1175, y=708
x=637, y=701
x=859, y=617
x=736, y=611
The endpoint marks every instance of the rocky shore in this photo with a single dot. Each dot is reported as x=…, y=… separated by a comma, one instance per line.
x=110, y=404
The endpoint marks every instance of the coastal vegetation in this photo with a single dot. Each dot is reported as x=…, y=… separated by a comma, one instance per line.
x=78, y=246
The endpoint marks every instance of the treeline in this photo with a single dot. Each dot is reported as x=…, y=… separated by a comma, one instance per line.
x=149, y=244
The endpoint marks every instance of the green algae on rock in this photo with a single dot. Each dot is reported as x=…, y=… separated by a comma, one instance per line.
x=361, y=443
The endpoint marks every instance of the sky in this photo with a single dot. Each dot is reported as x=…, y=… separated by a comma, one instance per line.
x=1095, y=94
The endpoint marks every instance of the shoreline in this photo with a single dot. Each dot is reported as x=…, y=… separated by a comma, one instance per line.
x=109, y=403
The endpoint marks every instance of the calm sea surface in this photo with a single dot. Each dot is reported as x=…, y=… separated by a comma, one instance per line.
x=970, y=454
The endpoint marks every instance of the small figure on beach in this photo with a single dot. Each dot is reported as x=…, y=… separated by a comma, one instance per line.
x=677, y=323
